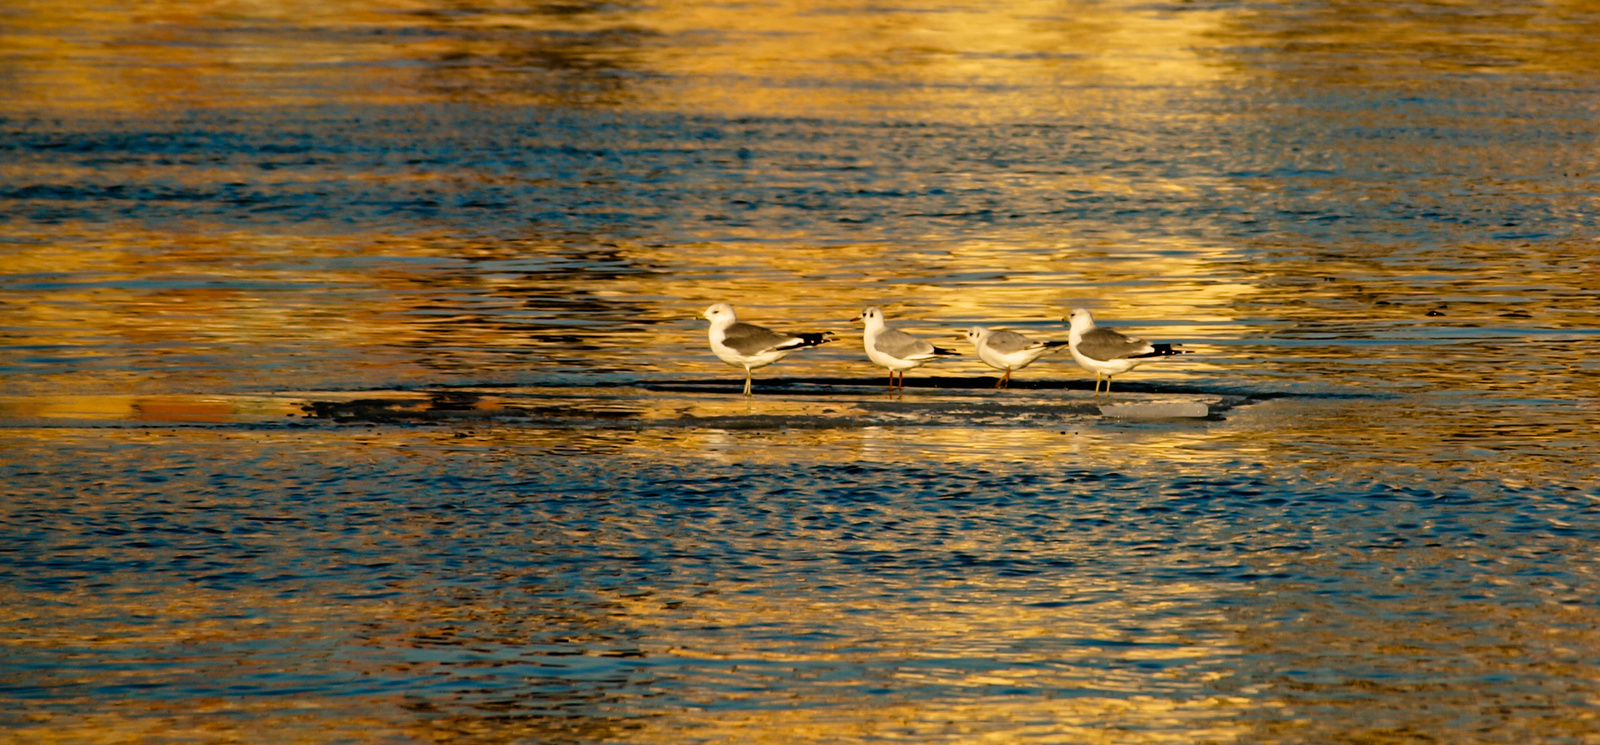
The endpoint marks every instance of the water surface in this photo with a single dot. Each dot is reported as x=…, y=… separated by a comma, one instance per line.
x=353, y=389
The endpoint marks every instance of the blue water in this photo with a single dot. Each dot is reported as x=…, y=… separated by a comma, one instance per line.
x=529, y=581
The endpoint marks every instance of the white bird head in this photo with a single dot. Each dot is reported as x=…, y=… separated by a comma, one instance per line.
x=976, y=334
x=720, y=312
x=871, y=316
x=1080, y=319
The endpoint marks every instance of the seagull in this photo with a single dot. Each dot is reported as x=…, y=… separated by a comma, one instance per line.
x=1008, y=350
x=749, y=346
x=896, y=349
x=1108, y=352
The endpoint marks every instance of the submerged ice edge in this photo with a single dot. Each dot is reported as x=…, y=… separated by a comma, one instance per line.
x=687, y=405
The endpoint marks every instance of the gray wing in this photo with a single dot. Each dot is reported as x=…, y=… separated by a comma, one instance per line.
x=749, y=339
x=1106, y=344
x=1008, y=342
x=901, y=345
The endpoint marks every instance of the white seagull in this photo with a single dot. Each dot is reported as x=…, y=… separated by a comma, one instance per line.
x=895, y=349
x=1107, y=352
x=749, y=346
x=1008, y=350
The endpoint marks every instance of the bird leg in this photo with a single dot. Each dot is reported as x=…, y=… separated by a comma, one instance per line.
x=747, y=381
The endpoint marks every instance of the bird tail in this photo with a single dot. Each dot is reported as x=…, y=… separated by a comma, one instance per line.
x=1055, y=344
x=1162, y=350
x=942, y=352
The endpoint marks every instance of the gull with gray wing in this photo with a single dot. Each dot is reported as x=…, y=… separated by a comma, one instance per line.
x=895, y=349
x=1008, y=350
x=1108, y=352
x=750, y=346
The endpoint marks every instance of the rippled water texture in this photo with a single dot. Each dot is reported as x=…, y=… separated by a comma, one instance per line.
x=353, y=386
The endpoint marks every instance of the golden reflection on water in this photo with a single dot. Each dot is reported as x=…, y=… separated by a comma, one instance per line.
x=215, y=312
x=148, y=408
x=801, y=56
x=126, y=289
x=922, y=52
x=1078, y=719
x=1037, y=279
x=198, y=311
x=963, y=61
x=1417, y=40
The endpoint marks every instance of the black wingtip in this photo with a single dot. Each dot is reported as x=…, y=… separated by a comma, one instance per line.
x=1163, y=350
x=1054, y=344
x=813, y=339
x=946, y=352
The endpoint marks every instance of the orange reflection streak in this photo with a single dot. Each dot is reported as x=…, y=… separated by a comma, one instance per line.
x=176, y=53
x=245, y=298
x=148, y=408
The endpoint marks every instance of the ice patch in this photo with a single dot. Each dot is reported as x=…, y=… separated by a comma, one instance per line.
x=1157, y=410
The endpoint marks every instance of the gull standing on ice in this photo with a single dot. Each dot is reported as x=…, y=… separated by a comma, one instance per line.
x=1008, y=350
x=749, y=346
x=896, y=349
x=1108, y=352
